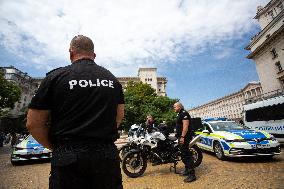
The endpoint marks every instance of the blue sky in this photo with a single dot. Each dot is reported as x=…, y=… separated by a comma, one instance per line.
x=197, y=45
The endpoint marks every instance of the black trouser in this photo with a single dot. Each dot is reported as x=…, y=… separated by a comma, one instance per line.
x=186, y=154
x=85, y=166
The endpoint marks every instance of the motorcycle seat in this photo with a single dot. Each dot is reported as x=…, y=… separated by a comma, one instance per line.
x=172, y=138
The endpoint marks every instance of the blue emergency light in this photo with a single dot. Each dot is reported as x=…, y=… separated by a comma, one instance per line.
x=215, y=119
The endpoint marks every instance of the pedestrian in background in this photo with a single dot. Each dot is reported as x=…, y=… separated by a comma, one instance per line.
x=14, y=139
x=2, y=138
x=85, y=104
x=184, y=133
x=150, y=123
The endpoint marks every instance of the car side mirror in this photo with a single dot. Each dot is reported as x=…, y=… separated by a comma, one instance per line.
x=206, y=131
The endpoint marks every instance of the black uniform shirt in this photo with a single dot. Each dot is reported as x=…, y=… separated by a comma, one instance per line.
x=83, y=99
x=182, y=115
x=150, y=126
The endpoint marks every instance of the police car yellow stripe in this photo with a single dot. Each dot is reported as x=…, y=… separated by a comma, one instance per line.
x=24, y=144
x=211, y=135
x=216, y=135
x=226, y=152
x=267, y=136
x=236, y=136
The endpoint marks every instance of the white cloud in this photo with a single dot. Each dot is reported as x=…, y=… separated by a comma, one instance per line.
x=127, y=34
x=224, y=53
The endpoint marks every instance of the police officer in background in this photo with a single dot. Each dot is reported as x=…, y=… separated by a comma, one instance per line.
x=85, y=105
x=184, y=134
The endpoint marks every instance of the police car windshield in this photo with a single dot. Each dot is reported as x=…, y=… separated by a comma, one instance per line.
x=226, y=126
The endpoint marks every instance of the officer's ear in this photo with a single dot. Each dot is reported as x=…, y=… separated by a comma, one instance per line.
x=71, y=54
x=95, y=55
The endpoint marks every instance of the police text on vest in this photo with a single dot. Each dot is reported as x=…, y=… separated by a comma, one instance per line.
x=90, y=83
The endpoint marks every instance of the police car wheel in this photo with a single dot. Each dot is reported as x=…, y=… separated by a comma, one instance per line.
x=14, y=163
x=267, y=158
x=218, y=150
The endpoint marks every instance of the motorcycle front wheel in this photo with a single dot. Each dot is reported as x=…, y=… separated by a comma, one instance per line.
x=123, y=150
x=196, y=155
x=134, y=164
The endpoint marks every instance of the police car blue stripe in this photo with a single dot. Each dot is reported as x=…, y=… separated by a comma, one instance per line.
x=248, y=134
x=32, y=146
x=206, y=141
x=225, y=146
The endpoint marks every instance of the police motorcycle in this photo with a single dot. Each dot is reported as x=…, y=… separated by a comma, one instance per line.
x=158, y=148
x=135, y=134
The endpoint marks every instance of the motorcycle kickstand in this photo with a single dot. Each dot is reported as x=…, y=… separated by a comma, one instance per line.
x=174, y=167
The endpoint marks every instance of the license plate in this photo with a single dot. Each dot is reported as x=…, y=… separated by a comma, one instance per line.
x=262, y=145
x=37, y=152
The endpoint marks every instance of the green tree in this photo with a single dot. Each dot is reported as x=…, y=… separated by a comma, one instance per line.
x=9, y=94
x=141, y=100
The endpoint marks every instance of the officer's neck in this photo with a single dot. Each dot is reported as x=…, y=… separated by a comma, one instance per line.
x=76, y=57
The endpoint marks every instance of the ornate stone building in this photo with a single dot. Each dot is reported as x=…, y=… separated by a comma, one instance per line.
x=149, y=76
x=230, y=106
x=29, y=85
x=267, y=50
x=267, y=47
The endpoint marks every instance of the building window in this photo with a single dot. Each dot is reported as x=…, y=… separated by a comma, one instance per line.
x=282, y=82
x=271, y=14
x=279, y=67
x=280, y=6
x=274, y=53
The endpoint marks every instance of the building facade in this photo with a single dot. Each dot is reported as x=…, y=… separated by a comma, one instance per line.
x=230, y=106
x=267, y=47
x=149, y=76
x=27, y=84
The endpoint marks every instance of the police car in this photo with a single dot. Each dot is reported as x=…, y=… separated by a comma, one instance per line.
x=29, y=149
x=229, y=139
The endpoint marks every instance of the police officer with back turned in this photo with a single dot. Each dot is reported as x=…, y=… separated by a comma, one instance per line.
x=76, y=112
x=185, y=133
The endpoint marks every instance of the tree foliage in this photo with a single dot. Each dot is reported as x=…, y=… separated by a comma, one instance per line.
x=9, y=94
x=141, y=100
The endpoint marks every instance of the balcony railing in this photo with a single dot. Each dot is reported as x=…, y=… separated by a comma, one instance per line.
x=264, y=96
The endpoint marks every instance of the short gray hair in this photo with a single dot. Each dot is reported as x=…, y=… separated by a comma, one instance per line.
x=82, y=43
x=180, y=105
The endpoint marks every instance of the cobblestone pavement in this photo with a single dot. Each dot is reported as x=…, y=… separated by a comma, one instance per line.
x=212, y=173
